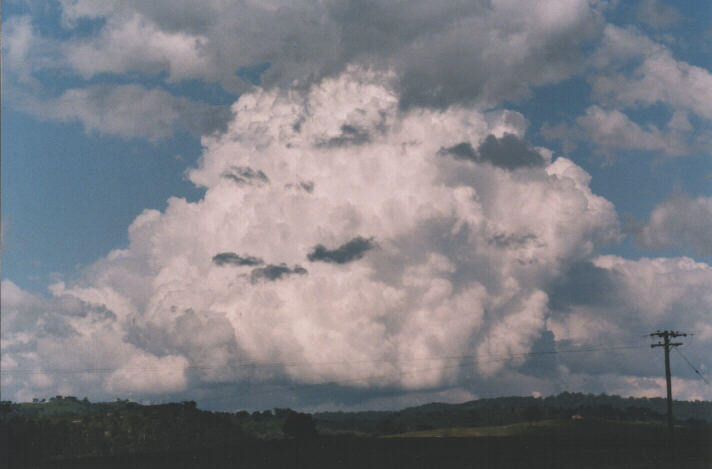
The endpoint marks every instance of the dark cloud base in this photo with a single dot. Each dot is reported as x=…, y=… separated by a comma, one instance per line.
x=584, y=284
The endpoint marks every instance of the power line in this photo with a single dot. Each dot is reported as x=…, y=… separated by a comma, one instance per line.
x=692, y=366
x=583, y=349
x=466, y=360
x=294, y=386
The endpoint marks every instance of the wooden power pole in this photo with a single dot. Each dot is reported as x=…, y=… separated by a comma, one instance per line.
x=667, y=344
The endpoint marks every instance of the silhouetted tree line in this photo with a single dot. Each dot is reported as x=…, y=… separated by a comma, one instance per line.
x=130, y=429
x=68, y=427
x=299, y=426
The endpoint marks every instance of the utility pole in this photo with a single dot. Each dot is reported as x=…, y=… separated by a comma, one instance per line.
x=666, y=336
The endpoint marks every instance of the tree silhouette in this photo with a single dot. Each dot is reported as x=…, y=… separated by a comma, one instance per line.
x=299, y=426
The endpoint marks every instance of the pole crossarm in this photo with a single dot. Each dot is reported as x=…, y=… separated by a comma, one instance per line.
x=668, y=334
x=671, y=344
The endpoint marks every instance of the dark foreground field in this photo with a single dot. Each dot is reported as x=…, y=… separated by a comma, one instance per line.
x=564, y=431
x=412, y=453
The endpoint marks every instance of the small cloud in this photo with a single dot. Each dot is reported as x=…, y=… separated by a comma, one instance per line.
x=503, y=241
x=680, y=222
x=245, y=175
x=508, y=152
x=273, y=272
x=657, y=14
x=351, y=251
x=611, y=129
x=231, y=258
x=463, y=151
x=130, y=111
x=350, y=135
x=306, y=186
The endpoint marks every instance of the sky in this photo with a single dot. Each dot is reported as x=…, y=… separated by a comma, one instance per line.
x=354, y=204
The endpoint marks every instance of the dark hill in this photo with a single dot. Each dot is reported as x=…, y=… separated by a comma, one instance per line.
x=43, y=433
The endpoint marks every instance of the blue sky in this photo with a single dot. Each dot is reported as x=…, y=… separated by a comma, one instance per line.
x=68, y=196
x=113, y=111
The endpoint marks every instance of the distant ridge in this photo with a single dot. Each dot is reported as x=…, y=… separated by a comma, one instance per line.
x=565, y=402
x=516, y=409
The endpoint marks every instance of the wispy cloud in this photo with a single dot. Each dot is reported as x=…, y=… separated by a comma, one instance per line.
x=130, y=111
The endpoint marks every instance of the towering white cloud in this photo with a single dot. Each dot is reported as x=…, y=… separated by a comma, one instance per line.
x=337, y=236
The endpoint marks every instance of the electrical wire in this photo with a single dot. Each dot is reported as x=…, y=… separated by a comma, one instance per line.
x=582, y=349
x=466, y=360
x=692, y=366
x=293, y=386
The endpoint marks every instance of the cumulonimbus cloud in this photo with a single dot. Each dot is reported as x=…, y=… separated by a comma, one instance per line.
x=468, y=254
